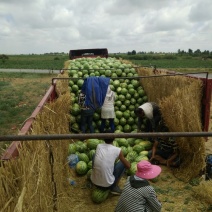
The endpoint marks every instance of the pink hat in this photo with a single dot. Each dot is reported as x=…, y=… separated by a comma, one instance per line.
x=146, y=170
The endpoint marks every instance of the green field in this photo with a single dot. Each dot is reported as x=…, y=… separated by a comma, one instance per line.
x=56, y=62
x=49, y=62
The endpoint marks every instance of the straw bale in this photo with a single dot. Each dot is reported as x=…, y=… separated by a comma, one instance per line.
x=36, y=179
x=204, y=191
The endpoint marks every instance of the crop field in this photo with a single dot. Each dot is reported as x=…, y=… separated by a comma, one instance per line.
x=199, y=65
x=34, y=62
x=56, y=62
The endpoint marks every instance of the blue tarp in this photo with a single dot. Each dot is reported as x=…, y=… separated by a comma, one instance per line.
x=95, y=89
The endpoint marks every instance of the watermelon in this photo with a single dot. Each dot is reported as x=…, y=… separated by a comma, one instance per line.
x=90, y=163
x=140, y=158
x=129, y=92
x=89, y=174
x=146, y=144
x=81, y=168
x=138, y=140
x=91, y=153
x=145, y=153
x=131, y=141
x=83, y=157
x=138, y=148
x=81, y=147
x=99, y=195
x=72, y=149
x=122, y=142
x=131, y=156
x=124, y=150
x=92, y=143
x=132, y=169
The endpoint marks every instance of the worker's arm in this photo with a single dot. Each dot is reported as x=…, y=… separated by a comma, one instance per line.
x=154, y=149
x=126, y=163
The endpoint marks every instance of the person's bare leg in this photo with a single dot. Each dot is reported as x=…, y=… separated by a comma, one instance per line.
x=160, y=159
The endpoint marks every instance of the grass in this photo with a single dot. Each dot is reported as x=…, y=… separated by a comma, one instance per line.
x=48, y=62
x=20, y=94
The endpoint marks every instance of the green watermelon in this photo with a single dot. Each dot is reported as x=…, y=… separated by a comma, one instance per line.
x=89, y=174
x=90, y=164
x=115, y=143
x=147, y=145
x=124, y=150
x=138, y=140
x=72, y=149
x=145, y=153
x=122, y=142
x=131, y=156
x=91, y=153
x=81, y=168
x=138, y=148
x=92, y=143
x=98, y=195
x=81, y=147
x=131, y=141
x=132, y=169
x=140, y=158
x=83, y=157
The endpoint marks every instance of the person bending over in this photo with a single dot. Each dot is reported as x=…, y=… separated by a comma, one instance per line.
x=106, y=171
x=150, y=111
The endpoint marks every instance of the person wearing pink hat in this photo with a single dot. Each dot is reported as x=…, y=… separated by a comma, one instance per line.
x=138, y=194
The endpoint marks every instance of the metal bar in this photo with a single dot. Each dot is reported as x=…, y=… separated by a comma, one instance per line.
x=134, y=77
x=102, y=136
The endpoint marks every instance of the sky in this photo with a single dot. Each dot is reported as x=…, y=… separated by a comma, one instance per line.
x=44, y=26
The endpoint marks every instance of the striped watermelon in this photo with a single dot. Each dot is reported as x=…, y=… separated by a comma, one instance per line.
x=90, y=163
x=72, y=149
x=83, y=157
x=132, y=169
x=91, y=153
x=81, y=168
x=131, y=156
x=92, y=143
x=138, y=148
x=98, y=195
x=147, y=144
x=140, y=158
x=89, y=174
x=145, y=153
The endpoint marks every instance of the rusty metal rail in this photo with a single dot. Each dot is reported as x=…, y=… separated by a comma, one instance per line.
x=133, y=77
x=102, y=136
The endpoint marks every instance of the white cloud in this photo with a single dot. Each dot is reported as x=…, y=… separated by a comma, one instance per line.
x=42, y=26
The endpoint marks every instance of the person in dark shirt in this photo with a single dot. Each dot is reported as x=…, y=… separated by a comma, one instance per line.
x=150, y=111
x=165, y=151
x=86, y=114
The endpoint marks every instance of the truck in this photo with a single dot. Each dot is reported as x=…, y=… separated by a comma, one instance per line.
x=57, y=113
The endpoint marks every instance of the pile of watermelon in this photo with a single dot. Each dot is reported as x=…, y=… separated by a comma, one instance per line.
x=129, y=93
x=134, y=150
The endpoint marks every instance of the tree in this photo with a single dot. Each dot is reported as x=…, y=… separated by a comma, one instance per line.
x=4, y=57
x=133, y=52
x=190, y=51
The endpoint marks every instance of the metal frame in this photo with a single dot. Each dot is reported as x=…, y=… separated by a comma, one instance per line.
x=12, y=151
